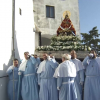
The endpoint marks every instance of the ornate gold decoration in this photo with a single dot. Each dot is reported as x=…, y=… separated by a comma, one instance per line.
x=66, y=13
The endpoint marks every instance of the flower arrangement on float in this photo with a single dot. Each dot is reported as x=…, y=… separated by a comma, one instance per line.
x=63, y=43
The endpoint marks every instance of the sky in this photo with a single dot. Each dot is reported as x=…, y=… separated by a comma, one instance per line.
x=89, y=15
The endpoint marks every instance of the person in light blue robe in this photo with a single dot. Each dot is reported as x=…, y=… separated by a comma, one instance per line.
x=29, y=80
x=79, y=80
x=37, y=66
x=65, y=74
x=13, y=81
x=48, y=84
x=92, y=81
x=37, y=61
x=52, y=58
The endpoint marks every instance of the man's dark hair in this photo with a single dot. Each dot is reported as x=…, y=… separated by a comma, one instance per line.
x=49, y=53
x=15, y=59
x=35, y=54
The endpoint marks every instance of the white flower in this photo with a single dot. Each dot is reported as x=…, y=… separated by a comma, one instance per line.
x=89, y=48
x=41, y=46
x=75, y=43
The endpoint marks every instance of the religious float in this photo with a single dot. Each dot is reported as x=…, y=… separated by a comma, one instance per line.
x=65, y=41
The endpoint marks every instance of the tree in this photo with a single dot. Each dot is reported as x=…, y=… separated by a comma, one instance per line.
x=91, y=39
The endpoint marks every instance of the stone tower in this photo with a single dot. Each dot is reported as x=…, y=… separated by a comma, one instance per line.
x=48, y=16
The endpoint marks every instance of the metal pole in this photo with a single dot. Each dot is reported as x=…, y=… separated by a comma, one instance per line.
x=13, y=35
x=13, y=28
x=13, y=86
x=18, y=96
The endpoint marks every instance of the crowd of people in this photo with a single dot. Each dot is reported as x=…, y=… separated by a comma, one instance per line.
x=49, y=80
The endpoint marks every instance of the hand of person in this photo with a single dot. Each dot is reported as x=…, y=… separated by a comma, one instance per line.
x=28, y=56
x=19, y=73
x=53, y=57
x=48, y=58
x=13, y=67
x=58, y=88
x=90, y=55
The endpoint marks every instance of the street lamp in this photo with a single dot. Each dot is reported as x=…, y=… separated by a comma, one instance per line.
x=13, y=28
x=13, y=35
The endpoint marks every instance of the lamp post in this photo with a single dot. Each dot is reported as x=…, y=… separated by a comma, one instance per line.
x=13, y=35
x=13, y=28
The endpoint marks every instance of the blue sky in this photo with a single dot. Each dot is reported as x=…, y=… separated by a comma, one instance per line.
x=89, y=15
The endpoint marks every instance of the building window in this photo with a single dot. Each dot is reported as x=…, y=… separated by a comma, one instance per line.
x=50, y=11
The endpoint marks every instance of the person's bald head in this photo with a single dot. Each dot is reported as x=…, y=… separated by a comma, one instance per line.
x=26, y=55
x=73, y=54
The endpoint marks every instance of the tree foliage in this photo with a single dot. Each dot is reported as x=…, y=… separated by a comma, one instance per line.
x=92, y=38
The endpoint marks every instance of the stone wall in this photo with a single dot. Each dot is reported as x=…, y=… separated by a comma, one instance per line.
x=58, y=54
x=49, y=26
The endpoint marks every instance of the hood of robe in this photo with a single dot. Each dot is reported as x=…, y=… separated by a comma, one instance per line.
x=41, y=67
x=66, y=69
x=78, y=64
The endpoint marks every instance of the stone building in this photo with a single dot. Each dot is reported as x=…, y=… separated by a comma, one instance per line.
x=48, y=17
